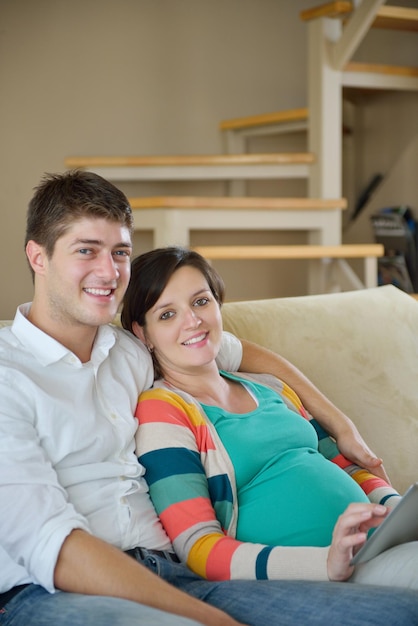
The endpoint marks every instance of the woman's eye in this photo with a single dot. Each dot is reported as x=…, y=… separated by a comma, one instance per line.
x=201, y=301
x=167, y=315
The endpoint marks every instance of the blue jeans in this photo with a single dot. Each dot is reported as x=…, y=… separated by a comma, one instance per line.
x=36, y=607
x=256, y=603
x=295, y=603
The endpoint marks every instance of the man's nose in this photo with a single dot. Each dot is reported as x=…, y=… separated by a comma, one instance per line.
x=107, y=268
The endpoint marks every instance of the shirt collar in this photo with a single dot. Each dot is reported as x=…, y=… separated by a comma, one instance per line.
x=48, y=350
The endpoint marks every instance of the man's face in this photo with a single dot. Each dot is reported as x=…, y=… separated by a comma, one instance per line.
x=88, y=273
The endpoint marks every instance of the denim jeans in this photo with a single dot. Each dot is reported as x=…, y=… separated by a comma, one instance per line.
x=36, y=607
x=256, y=603
x=295, y=603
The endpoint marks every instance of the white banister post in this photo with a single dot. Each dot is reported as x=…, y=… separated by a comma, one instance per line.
x=324, y=131
x=325, y=110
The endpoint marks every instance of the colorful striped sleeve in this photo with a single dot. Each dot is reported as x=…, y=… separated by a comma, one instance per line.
x=172, y=436
x=193, y=495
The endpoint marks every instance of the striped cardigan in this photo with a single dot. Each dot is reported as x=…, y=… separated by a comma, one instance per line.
x=192, y=485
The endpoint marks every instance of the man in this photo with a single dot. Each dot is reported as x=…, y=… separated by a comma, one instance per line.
x=75, y=514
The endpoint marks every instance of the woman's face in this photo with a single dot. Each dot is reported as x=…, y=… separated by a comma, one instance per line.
x=184, y=327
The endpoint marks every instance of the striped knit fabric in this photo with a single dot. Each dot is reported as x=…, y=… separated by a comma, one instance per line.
x=192, y=485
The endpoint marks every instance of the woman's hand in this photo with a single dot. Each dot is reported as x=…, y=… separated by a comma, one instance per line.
x=353, y=447
x=350, y=533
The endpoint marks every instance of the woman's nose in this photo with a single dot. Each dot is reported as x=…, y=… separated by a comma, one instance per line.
x=192, y=319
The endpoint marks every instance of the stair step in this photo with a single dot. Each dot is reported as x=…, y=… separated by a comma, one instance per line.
x=287, y=120
x=397, y=18
x=390, y=17
x=189, y=160
x=377, y=76
x=343, y=251
x=173, y=219
x=329, y=275
x=265, y=119
x=376, y=68
x=237, y=203
x=197, y=167
x=329, y=9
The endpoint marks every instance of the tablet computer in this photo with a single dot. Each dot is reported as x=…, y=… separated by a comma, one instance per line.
x=400, y=526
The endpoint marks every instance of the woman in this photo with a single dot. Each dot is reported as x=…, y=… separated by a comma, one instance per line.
x=239, y=472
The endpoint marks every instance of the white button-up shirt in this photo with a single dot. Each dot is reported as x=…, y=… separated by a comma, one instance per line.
x=67, y=446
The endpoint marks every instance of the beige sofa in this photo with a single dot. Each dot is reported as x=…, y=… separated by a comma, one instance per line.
x=361, y=349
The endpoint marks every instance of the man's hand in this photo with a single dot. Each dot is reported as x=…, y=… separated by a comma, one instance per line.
x=353, y=447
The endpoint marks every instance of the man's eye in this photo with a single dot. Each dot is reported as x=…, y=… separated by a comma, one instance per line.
x=85, y=251
x=124, y=253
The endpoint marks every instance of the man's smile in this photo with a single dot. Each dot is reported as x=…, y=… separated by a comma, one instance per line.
x=95, y=291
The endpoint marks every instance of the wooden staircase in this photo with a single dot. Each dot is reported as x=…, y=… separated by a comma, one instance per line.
x=335, y=31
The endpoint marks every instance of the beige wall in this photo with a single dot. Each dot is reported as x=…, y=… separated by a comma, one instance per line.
x=133, y=77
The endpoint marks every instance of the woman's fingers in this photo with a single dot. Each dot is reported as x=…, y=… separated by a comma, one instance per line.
x=350, y=533
x=360, y=517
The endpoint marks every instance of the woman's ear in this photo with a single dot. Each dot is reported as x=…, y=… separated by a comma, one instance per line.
x=139, y=332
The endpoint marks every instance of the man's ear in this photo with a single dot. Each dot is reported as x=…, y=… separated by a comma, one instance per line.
x=36, y=256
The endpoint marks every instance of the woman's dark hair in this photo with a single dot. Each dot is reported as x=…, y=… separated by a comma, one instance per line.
x=150, y=274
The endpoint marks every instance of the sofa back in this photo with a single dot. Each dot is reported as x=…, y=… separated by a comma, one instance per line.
x=360, y=348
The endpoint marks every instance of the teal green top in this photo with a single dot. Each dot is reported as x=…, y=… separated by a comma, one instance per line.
x=288, y=493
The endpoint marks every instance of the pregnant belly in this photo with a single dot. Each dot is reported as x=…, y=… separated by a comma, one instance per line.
x=295, y=500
